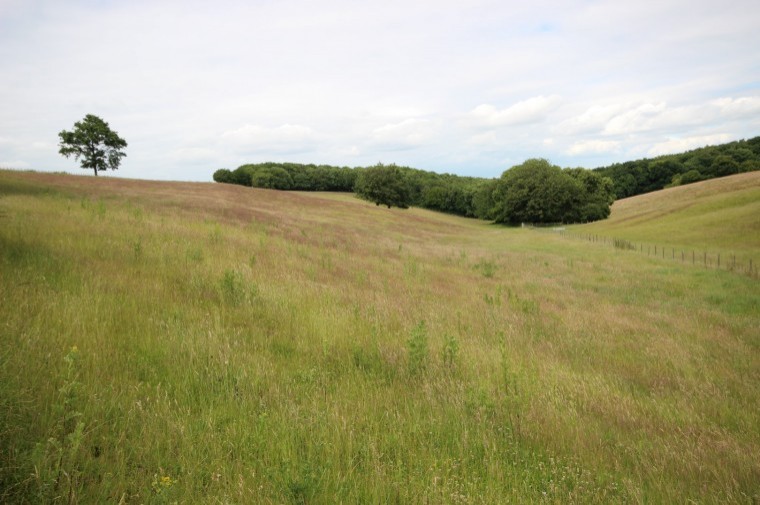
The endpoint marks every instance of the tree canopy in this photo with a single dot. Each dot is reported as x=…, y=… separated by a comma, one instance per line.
x=94, y=143
x=383, y=185
x=536, y=192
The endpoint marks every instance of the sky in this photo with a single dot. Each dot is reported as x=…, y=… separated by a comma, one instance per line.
x=466, y=87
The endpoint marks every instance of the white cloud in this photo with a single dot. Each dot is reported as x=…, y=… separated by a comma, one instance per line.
x=286, y=138
x=194, y=154
x=657, y=117
x=483, y=139
x=14, y=164
x=677, y=145
x=639, y=118
x=747, y=106
x=593, y=147
x=591, y=120
x=532, y=110
x=407, y=134
x=350, y=151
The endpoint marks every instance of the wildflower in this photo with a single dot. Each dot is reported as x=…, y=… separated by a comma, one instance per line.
x=161, y=483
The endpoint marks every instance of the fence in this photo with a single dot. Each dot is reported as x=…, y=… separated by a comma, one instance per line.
x=702, y=258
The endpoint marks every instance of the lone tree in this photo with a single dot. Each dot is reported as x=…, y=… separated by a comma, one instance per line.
x=99, y=147
x=383, y=185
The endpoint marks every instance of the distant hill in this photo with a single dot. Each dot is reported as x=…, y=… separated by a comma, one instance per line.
x=719, y=214
x=651, y=174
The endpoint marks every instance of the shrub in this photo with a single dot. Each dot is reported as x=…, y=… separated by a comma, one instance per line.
x=223, y=175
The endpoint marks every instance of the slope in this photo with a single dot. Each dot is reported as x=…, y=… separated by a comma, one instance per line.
x=185, y=342
x=716, y=215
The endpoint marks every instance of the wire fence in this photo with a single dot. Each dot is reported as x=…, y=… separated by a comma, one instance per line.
x=701, y=258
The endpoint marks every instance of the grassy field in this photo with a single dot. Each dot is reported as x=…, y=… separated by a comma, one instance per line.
x=199, y=343
x=716, y=216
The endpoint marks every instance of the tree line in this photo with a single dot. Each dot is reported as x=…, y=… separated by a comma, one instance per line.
x=534, y=192
x=290, y=176
x=651, y=174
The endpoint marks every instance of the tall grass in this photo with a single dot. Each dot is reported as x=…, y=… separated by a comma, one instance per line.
x=165, y=342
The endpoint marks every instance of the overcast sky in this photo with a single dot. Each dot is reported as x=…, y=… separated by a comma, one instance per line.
x=468, y=87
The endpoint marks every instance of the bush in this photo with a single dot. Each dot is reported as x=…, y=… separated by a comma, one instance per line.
x=223, y=175
x=691, y=176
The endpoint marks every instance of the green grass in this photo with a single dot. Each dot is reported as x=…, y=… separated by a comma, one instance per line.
x=199, y=343
x=719, y=215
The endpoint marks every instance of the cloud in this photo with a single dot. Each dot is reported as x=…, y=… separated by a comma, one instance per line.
x=658, y=117
x=14, y=164
x=593, y=147
x=642, y=117
x=532, y=110
x=194, y=155
x=284, y=139
x=677, y=145
x=594, y=119
x=747, y=106
x=484, y=139
x=407, y=134
x=350, y=151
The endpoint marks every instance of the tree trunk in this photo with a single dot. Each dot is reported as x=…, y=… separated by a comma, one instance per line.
x=96, y=171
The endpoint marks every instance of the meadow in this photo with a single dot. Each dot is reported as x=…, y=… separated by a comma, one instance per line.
x=207, y=343
x=716, y=216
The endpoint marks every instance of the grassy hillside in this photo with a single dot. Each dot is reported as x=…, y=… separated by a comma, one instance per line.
x=716, y=215
x=200, y=343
